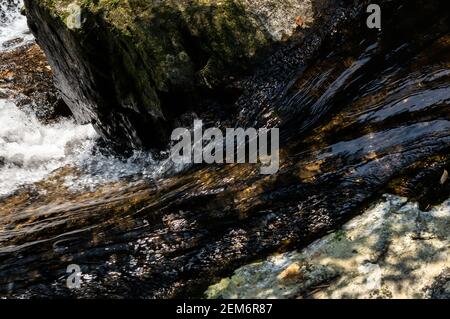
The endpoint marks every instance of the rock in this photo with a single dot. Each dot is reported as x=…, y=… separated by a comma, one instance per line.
x=12, y=42
x=5, y=93
x=292, y=272
x=440, y=289
x=393, y=250
x=130, y=67
x=174, y=237
x=444, y=177
x=27, y=78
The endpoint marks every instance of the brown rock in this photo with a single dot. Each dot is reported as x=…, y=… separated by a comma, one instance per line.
x=444, y=177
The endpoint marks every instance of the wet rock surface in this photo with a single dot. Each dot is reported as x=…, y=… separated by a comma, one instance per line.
x=26, y=77
x=440, y=289
x=7, y=6
x=393, y=250
x=359, y=114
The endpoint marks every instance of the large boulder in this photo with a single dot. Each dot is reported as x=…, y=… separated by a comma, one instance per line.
x=393, y=250
x=132, y=66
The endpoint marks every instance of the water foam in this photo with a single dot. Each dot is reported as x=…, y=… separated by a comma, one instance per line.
x=98, y=169
x=30, y=151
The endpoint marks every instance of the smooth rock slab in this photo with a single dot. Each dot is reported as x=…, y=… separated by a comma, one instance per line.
x=393, y=250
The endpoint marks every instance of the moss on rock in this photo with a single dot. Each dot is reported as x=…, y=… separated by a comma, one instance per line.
x=115, y=59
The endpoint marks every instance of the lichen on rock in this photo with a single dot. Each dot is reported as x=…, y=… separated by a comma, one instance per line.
x=393, y=250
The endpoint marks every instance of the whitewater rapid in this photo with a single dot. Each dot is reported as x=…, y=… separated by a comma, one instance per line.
x=29, y=150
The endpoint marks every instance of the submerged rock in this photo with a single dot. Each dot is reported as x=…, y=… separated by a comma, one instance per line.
x=131, y=67
x=393, y=250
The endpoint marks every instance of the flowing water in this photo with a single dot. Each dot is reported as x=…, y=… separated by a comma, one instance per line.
x=368, y=114
x=29, y=150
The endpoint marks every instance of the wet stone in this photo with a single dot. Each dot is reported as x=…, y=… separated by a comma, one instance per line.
x=406, y=265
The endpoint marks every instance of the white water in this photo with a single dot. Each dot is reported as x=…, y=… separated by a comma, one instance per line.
x=30, y=150
x=13, y=25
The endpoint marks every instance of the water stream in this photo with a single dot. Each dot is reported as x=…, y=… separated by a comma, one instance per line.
x=369, y=114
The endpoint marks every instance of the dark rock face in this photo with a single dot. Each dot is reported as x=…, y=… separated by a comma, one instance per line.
x=132, y=67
